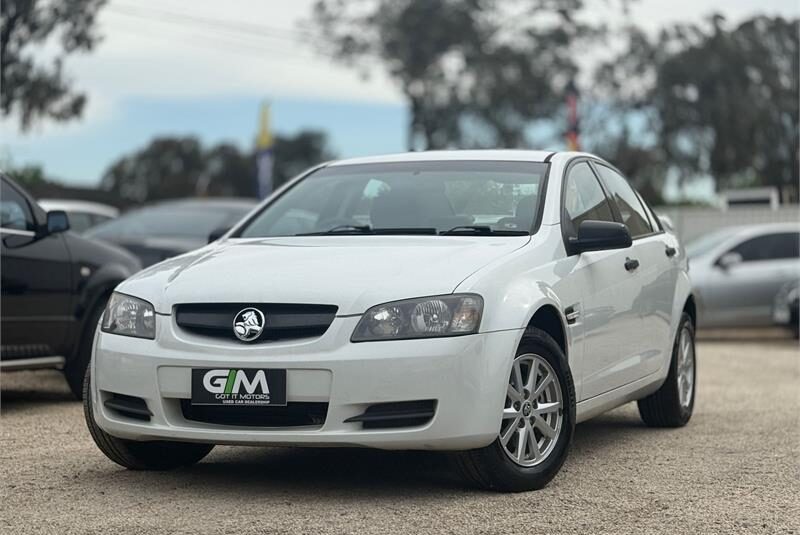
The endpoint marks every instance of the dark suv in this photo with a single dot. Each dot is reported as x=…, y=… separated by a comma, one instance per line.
x=55, y=285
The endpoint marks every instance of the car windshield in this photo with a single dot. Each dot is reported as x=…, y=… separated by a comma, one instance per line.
x=702, y=245
x=189, y=220
x=469, y=197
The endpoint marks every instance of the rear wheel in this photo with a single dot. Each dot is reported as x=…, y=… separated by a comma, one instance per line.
x=673, y=403
x=538, y=421
x=134, y=455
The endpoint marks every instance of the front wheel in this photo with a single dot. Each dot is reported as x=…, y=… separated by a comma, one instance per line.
x=134, y=455
x=538, y=421
x=672, y=404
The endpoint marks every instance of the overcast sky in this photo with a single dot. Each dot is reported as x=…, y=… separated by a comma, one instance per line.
x=161, y=70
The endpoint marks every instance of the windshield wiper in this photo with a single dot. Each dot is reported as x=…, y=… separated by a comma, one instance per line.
x=341, y=229
x=366, y=229
x=482, y=230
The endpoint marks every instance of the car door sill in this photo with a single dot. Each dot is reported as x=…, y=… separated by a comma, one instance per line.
x=32, y=363
x=596, y=405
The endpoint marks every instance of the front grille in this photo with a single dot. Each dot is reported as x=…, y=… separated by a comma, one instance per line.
x=294, y=414
x=283, y=321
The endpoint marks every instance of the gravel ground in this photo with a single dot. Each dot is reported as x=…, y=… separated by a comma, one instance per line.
x=734, y=468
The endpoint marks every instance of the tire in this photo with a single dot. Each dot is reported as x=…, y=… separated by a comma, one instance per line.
x=75, y=369
x=665, y=407
x=492, y=467
x=134, y=455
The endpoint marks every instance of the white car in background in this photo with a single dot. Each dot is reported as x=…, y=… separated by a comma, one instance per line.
x=82, y=215
x=363, y=305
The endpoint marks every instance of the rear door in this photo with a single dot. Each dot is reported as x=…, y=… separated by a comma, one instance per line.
x=36, y=282
x=744, y=293
x=656, y=275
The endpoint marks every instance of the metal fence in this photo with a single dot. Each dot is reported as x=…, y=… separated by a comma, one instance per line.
x=693, y=222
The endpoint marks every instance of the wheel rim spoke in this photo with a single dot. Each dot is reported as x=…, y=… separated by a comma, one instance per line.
x=544, y=427
x=545, y=408
x=506, y=436
x=513, y=394
x=544, y=384
x=532, y=416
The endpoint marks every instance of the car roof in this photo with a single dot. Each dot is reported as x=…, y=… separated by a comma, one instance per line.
x=451, y=155
x=763, y=228
x=218, y=202
x=70, y=205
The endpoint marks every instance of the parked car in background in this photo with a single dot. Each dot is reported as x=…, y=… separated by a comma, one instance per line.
x=165, y=229
x=55, y=285
x=479, y=302
x=83, y=215
x=739, y=272
x=787, y=307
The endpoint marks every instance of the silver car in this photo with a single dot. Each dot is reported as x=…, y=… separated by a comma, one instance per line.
x=738, y=273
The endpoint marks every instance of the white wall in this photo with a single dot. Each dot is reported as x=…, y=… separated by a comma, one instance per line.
x=692, y=222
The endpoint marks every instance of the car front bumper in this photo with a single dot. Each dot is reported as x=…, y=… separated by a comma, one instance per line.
x=467, y=376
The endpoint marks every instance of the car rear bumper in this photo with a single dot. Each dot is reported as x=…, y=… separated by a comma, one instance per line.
x=465, y=377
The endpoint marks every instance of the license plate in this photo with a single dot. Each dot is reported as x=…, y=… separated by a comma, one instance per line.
x=239, y=387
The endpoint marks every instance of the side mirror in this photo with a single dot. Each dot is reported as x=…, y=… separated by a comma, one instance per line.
x=600, y=235
x=217, y=234
x=728, y=260
x=57, y=221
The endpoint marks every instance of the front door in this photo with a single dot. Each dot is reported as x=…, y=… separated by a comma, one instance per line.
x=36, y=282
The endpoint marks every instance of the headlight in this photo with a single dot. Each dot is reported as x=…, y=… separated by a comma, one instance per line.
x=426, y=317
x=129, y=316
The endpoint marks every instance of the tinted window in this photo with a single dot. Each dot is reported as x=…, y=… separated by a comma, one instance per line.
x=584, y=198
x=79, y=221
x=770, y=247
x=14, y=210
x=410, y=195
x=630, y=208
x=190, y=220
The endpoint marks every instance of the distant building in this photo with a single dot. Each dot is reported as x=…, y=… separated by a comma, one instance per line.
x=750, y=197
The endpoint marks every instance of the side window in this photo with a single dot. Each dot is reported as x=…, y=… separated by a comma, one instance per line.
x=630, y=208
x=584, y=198
x=769, y=247
x=14, y=210
x=79, y=221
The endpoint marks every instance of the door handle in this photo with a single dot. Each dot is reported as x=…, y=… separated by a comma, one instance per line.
x=631, y=264
x=670, y=251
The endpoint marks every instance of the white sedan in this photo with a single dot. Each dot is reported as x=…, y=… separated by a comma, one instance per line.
x=479, y=302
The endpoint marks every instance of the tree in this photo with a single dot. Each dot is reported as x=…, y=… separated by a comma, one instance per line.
x=720, y=102
x=728, y=102
x=33, y=88
x=474, y=72
x=180, y=167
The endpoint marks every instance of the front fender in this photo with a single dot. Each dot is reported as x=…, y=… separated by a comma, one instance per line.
x=92, y=292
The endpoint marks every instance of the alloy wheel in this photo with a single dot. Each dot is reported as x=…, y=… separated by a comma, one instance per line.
x=533, y=411
x=685, y=368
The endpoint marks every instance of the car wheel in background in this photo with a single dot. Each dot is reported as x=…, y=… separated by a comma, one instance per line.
x=538, y=422
x=134, y=455
x=75, y=369
x=673, y=403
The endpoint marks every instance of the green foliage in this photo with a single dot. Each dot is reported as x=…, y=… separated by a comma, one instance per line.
x=719, y=101
x=180, y=167
x=28, y=176
x=475, y=73
x=33, y=88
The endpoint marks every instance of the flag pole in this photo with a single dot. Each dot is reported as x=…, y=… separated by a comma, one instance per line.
x=264, y=155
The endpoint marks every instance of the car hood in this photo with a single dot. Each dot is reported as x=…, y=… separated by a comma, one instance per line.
x=351, y=272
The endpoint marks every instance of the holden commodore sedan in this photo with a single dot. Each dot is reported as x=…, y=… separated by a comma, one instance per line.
x=478, y=302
